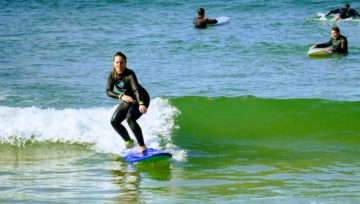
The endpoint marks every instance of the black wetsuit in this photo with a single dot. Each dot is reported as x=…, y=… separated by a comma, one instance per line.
x=202, y=23
x=344, y=12
x=339, y=45
x=127, y=84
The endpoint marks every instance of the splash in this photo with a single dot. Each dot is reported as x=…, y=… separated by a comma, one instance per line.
x=89, y=127
x=322, y=16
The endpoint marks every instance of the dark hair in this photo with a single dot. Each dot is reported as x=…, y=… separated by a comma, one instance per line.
x=115, y=75
x=201, y=11
x=347, y=5
x=122, y=55
x=336, y=29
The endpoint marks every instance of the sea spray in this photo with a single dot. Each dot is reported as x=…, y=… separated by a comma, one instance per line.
x=90, y=127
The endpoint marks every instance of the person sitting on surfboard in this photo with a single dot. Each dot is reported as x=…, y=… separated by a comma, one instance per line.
x=343, y=13
x=135, y=100
x=338, y=42
x=201, y=21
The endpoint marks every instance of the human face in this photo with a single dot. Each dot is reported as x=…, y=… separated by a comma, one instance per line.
x=334, y=34
x=119, y=64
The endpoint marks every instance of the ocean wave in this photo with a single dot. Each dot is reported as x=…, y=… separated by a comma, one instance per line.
x=90, y=127
x=235, y=120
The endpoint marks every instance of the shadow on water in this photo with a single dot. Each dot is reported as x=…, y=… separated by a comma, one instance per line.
x=129, y=177
x=128, y=180
x=75, y=172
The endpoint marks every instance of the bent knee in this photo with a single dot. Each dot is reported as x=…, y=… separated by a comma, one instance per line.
x=113, y=120
x=131, y=119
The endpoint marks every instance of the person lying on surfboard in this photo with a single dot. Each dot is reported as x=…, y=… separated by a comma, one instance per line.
x=135, y=100
x=344, y=12
x=338, y=42
x=201, y=21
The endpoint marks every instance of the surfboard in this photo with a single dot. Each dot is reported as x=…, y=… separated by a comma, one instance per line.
x=319, y=52
x=150, y=155
x=222, y=20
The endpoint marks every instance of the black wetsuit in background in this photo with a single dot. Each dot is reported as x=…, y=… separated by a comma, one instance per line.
x=202, y=23
x=127, y=84
x=344, y=12
x=340, y=45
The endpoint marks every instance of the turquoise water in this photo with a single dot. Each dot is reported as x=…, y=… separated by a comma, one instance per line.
x=247, y=115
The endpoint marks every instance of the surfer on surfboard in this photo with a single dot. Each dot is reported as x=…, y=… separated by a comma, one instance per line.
x=338, y=42
x=201, y=21
x=344, y=12
x=135, y=100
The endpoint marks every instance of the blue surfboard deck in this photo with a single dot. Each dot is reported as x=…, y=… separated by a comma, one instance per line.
x=149, y=155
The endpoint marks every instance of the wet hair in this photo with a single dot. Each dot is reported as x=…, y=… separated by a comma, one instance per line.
x=201, y=11
x=122, y=55
x=347, y=5
x=336, y=29
x=114, y=74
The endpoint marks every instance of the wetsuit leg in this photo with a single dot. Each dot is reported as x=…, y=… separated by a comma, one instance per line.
x=135, y=128
x=132, y=116
x=118, y=116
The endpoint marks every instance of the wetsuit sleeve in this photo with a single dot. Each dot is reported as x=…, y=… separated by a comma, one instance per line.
x=211, y=21
x=333, y=11
x=327, y=44
x=110, y=88
x=135, y=87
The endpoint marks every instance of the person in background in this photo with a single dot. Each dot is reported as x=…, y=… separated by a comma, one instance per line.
x=338, y=42
x=135, y=100
x=201, y=21
x=344, y=12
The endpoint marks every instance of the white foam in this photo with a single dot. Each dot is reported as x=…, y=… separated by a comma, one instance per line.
x=87, y=126
x=322, y=16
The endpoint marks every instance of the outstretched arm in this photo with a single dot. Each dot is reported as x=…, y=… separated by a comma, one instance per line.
x=333, y=11
x=211, y=21
x=323, y=45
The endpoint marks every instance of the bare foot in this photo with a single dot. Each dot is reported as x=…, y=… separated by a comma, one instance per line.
x=142, y=149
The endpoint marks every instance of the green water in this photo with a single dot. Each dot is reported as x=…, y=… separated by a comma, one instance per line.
x=250, y=150
x=247, y=115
